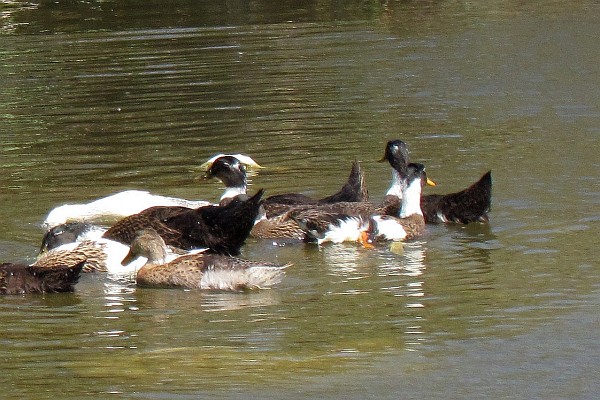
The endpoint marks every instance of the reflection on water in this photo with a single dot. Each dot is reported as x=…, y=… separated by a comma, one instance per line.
x=99, y=97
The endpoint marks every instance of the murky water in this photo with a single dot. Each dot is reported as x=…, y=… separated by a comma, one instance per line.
x=98, y=97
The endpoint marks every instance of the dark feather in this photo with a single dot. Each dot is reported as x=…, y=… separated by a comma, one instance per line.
x=20, y=279
x=469, y=205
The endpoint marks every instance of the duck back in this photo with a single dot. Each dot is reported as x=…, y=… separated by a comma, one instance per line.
x=20, y=279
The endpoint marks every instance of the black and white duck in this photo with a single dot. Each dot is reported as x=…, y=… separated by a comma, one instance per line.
x=198, y=271
x=222, y=229
x=322, y=225
x=465, y=206
x=131, y=202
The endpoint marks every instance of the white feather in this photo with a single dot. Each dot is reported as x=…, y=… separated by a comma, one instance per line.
x=397, y=185
x=389, y=228
x=256, y=277
x=347, y=230
x=411, y=199
x=118, y=205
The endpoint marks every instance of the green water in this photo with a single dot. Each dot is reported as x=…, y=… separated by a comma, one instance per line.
x=105, y=96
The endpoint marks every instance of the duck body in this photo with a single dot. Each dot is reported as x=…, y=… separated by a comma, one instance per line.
x=465, y=206
x=39, y=278
x=129, y=202
x=222, y=229
x=363, y=225
x=198, y=271
x=279, y=220
x=113, y=207
x=210, y=271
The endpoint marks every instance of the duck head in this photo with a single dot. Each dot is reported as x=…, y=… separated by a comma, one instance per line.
x=147, y=243
x=230, y=171
x=396, y=153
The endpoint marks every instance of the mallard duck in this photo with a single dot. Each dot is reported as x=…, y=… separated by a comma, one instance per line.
x=58, y=274
x=129, y=202
x=222, y=229
x=323, y=225
x=468, y=205
x=198, y=271
x=101, y=254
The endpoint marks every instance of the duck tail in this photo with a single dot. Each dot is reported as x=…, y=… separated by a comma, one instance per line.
x=264, y=276
x=354, y=189
x=231, y=273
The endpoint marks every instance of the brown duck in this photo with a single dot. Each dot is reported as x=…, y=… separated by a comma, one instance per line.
x=198, y=271
x=58, y=273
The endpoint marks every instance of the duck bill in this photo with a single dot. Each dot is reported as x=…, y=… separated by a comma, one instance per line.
x=365, y=240
x=431, y=183
x=128, y=258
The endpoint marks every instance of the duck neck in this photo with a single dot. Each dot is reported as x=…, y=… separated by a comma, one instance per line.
x=233, y=191
x=411, y=199
x=397, y=185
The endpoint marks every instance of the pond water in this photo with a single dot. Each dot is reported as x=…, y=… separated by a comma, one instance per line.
x=104, y=96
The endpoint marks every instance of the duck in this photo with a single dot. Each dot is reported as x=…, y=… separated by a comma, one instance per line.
x=198, y=271
x=363, y=226
x=222, y=229
x=275, y=221
x=128, y=202
x=284, y=224
x=102, y=255
x=353, y=190
x=471, y=204
x=48, y=275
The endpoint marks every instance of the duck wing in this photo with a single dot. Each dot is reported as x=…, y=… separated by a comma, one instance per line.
x=125, y=230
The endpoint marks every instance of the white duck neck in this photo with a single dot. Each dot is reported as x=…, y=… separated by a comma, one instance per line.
x=411, y=199
x=397, y=185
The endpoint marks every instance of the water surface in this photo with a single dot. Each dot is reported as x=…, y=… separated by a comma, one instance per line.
x=100, y=97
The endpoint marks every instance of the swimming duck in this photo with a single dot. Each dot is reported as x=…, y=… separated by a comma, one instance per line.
x=102, y=255
x=44, y=276
x=353, y=190
x=468, y=205
x=198, y=271
x=283, y=224
x=324, y=225
x=276, y=221
x=222, y=229
x=129, y=202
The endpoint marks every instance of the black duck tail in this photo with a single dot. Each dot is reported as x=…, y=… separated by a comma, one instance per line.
x=469, y=205
x=353, y=190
